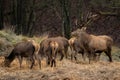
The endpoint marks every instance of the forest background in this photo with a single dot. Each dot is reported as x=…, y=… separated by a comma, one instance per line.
x=61, y=17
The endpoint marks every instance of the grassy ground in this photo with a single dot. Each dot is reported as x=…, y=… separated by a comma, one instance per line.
x=65, y=70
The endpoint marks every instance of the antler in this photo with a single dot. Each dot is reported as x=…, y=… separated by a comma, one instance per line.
x=83, y=28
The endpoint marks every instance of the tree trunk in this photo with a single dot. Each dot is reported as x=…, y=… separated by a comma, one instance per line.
x=18, y=20
x=31, y=20
x=24, y=20
x=80, y=13
x=66, y=25
x=1, y=15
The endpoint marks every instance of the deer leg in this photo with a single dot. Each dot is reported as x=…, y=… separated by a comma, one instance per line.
x=71, y=53
x=71, y=57
x=62, y=55
x=108, y=53
x=90, y=56
x=35, y=57
x=95, y=57
x=98, y=56
x=48, y=61
x=32, y=62
x=66, y=53
x=39, y=60
x=52, y=63
x=75, y=53
x=20, y=58
x=55, y=59
x=83, y=56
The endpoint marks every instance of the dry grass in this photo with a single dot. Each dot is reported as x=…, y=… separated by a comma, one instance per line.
x=65, y=70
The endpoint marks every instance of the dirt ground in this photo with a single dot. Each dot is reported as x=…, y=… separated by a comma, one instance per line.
x=65, y=70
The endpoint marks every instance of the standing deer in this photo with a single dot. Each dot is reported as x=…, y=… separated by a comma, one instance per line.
x=94, y=44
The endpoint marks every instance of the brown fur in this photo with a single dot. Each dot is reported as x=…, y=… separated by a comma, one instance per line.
x=37, y=47
x=54, y=49
x=45, y=48
x=71, y=44
x=101, y=44
x=94, y=44
x=76, y=48
x=22, y=49
x=63, y=46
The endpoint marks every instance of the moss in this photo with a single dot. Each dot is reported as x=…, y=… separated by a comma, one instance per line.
x=8, y=40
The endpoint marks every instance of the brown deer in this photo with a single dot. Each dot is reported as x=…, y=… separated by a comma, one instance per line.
x=45, y=48
x=93, y=44
x=22, y=49
x=76, y=48
x=54, y=50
